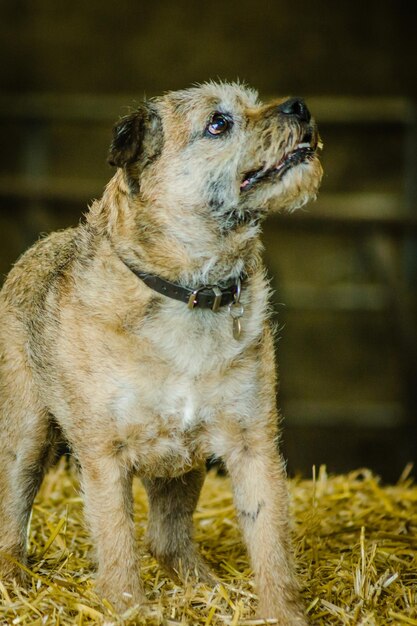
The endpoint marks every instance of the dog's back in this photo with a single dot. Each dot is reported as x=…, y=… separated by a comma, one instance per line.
x=35, y=274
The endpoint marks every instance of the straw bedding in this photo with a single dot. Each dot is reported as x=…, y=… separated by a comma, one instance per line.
x=356, y=544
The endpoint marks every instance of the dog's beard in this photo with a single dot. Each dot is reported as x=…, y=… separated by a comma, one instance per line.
x=275, y=172
x=290, y=190
x=284, y=179
x=230, y=212
x=240, y=216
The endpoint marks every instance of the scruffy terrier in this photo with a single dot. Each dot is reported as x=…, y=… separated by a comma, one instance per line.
x=142, y=339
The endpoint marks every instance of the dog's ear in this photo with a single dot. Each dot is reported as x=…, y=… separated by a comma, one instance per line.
x=137, y=138
x=127, y=139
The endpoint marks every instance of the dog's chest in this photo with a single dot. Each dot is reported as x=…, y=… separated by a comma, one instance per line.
x=182, y=357
x=163, y=420
x=194, y=341
x=183, y=376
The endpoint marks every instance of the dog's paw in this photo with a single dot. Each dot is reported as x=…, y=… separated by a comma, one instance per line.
x=287, y=620
x=120, y=596
x=183, y=570
x=11, y=571
x=283, y=616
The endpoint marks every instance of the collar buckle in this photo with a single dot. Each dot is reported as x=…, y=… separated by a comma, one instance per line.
x=193, y=299
x=217, y=298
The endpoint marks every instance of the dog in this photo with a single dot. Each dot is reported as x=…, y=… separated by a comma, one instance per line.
x=142, y=340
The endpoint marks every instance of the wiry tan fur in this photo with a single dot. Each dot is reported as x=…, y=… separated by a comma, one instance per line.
x=135, y=382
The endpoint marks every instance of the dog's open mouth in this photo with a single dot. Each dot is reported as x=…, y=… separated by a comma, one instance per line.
x=303, y=152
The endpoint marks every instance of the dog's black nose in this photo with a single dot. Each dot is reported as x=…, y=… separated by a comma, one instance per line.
x=296, y=107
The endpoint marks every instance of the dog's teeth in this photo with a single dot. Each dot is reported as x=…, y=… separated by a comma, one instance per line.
x=303, y=145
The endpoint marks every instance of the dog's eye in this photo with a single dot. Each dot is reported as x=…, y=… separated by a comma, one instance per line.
x=218, y=124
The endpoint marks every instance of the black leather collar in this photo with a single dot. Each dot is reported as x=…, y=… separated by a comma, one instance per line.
x=205, y=297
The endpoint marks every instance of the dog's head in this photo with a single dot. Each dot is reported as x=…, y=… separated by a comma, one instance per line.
x=216, y=149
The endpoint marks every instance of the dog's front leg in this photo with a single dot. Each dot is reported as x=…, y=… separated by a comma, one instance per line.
x=261, y=499
x=107, y=486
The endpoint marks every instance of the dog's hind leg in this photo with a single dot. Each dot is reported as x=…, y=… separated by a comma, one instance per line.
x=27, y=444
x=170, y=527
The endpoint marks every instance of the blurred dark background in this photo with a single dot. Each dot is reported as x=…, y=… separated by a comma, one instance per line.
x=344, y=270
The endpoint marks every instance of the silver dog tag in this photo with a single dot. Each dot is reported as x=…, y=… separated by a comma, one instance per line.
x=236, y=311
